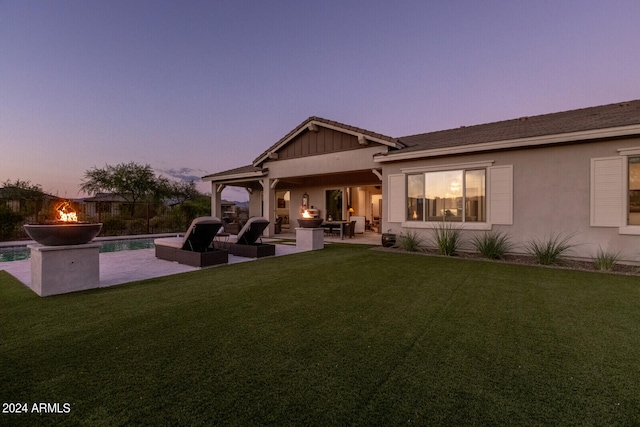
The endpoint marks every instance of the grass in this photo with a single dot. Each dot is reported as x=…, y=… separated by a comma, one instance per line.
x=341, y=336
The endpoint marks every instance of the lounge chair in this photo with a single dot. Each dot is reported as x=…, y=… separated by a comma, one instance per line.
x=195, y=247
x=246, y=245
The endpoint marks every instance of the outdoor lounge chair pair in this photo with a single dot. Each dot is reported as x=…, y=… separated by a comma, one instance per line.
x=195, y=248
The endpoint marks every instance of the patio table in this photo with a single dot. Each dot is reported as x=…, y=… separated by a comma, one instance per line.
x=336, y=224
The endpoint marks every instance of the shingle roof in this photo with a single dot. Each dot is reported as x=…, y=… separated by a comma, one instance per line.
x=237, y=171
x=605, y=116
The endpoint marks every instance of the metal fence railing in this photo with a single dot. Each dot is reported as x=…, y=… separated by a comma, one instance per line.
x=118, y=219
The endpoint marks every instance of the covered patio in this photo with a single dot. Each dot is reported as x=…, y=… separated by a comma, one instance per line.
x=321, y=166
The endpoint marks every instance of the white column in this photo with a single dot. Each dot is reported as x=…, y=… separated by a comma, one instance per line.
x=268, y=205
x=216, y=200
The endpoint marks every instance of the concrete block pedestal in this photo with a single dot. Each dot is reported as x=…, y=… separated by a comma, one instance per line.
x=309, y=239
x=62, y=269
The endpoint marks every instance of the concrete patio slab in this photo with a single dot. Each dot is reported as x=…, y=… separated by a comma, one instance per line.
x=117, y=268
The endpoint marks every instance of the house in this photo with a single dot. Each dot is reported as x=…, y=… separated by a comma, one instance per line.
x=574, y=172
x=103, y=205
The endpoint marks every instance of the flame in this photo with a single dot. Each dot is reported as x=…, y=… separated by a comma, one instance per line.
x=306, y=214
x=66, y=213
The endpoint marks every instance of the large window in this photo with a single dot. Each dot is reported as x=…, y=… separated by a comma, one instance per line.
x=454, y=196
x=634, y=191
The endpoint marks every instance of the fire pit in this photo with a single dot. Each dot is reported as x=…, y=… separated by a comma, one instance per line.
x=65, y=231
x=309, y=222
x=64, y=261
x=63, y=234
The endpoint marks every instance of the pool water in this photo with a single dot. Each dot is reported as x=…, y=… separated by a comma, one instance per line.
x=17, y=253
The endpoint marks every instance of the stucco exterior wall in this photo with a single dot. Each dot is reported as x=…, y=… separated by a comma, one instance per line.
x=551, y=195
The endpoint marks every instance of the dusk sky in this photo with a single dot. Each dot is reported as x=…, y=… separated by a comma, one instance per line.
x=198, y=87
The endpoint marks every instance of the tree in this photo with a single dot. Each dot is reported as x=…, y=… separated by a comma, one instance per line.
x=21, y=190
x=131, y=181
x=181, y=191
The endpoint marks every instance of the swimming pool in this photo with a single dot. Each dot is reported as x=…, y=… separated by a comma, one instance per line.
x=17, y=253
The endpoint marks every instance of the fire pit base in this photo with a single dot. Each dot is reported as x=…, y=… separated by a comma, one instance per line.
x=63, y=269
x=309, y=239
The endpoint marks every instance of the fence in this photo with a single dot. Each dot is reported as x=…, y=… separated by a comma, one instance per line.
x=118, y=219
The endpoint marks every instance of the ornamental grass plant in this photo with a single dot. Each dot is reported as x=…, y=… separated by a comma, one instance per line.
x=492, y=245
x=446, y=237
x=550, y=250
x=606, y=260
x=410, y=241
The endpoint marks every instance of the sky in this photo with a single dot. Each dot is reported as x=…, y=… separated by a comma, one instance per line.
x=198, y=87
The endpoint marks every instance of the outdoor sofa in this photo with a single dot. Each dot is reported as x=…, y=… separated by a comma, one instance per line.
x=195, y=248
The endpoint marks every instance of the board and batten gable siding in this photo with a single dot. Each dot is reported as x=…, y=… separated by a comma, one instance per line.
x=501, y=195
x=323, y=141
x=607, y=191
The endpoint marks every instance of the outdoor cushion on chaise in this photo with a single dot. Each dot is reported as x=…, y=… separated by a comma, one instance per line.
x=246, y=245
x=195, y=247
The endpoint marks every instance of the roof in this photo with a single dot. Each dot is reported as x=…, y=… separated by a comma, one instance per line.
x=105, y=197
x=585, y=119
x=313, y=120
x=242, y=171
x=575, y=125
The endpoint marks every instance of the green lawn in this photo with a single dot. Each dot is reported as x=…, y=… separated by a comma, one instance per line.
x=342, y=336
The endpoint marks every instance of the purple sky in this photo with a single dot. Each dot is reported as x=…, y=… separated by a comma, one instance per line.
x=197, y=87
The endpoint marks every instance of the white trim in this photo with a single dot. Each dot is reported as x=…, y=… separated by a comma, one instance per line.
x=633, y=230
x=448, y=167
x=514, y=143
x=377, y=173
x=632, y=151
x=459, y=225
x=236, y=176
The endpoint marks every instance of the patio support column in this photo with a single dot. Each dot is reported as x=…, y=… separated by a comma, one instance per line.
x=216, y=200
x=268, y=208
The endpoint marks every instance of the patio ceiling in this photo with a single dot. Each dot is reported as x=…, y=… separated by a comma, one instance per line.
x=343, y=179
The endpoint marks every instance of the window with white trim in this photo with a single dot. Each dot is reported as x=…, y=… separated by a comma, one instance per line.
x=633, y=213
x=451, y=195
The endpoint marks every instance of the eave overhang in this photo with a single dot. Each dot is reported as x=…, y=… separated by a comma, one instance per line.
x=236, y=177
x=587, y=135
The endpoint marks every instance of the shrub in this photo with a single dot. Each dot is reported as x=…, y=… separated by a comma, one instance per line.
x=550, y=251
x=113, y=226
x=605, y=260
x=410, y=241
x=492, y=245
x=447, y=238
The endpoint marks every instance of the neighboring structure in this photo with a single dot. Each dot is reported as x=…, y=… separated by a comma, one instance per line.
x=103, y=204
x=575, y=172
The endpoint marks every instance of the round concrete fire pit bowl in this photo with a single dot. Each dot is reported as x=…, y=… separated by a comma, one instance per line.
x=309, y=222
x=63, y=234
